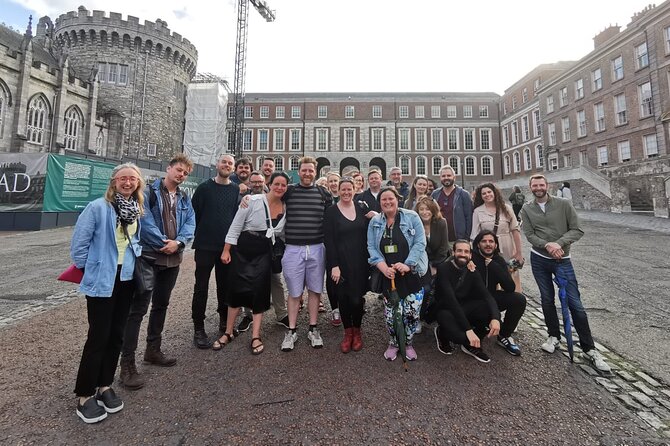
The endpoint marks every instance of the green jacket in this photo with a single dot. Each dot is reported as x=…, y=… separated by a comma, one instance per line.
x=559, y=223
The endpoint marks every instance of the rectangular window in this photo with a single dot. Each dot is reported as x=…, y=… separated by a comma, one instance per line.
x=420, y=136
x=551, y=129
x=596, y=79
x=265, y=112
x=263, y=140
x=539, y=156
x=112, y=75
x=467, y=111
x=403, y=111
x=567, y=160
x=515, y=133
x=527, y=160
x=377, y=140
x=602, y=156
x=376, y=111
x=524, y=96
x=641, y=56
x=620, y=109
x=280, y=112
x=563, y=97
x=537, y=124
x=550, y=103
x=483, y=111
x=505, y=137
x=295, y=111
x=579, y=89
x=599, y=116
x=666, y=38
x=418, y=111
x=247, y=140
x=349, y=111
x=452, y=139
x=646, y=104
x=102, y=72
x=536, y=85
x=451, y=111
x=525, y=130
x=624, y=151
x=349, y=140
x=469, y=139
x=231, y=111
x=617, y=68
x=485, y=139
x=123, y=74
x=322, y=111
x=322, y=140
x=435, y=111
x=565, y=126
x=650, y=146
x=436, y=139
x=278, y=140
x=513, y=102
x=295, y=140
x=403, y=139
x=581, y=123
x=248, y=112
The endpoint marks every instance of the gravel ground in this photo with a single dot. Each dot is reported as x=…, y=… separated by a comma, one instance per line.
x=306, y=396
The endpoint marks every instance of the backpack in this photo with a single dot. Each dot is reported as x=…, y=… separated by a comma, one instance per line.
x=519, y=198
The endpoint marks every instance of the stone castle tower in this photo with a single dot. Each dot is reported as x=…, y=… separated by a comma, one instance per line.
x=143, y=72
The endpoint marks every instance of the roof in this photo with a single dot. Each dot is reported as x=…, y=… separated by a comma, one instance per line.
x=12, y=40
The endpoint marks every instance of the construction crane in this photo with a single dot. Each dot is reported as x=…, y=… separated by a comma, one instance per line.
x=241, y=66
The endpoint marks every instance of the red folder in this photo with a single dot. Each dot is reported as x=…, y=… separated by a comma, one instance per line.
x=72, y=274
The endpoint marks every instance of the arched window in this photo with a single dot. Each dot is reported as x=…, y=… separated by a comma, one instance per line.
x=470, y=165
x=405, y=165
x=3, y=106
x=37, y=117
x=487, y=165
x=74, y=121
x=507, y=165
x=279, y=163
x=437, y=165
x=294, y=163
x=527, y=161
x=421, y=167
x=517, y=162
x=455, y=163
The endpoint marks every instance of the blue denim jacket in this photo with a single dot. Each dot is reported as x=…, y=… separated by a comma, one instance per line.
x=93, y=248
x=152, y=234
x=412, y=228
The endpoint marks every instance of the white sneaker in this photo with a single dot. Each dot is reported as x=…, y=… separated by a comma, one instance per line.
x=597, y=360
x=550, y=345
x=315, y=338
x=289, y=341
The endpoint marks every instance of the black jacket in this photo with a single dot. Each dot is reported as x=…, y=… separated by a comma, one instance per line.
x=369, y=199
x=496, y=272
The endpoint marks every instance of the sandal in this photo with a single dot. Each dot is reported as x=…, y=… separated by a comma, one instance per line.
x=258, y=349
x=322, y=307
x=219, y=344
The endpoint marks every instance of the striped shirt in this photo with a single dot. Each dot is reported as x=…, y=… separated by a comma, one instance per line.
x=305, y=209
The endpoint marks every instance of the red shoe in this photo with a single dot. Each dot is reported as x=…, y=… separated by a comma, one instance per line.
x=357, y=341
x=345, y=345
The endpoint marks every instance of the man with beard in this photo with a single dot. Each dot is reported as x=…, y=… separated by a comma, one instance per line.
x=473, y=315
x=304, y=259
x=396, y=181
x=493, y=269
x=371, y=195
x=455, y=205
x=267, y=169
x=242, y=174
x=215, y=203
x=166, y=227
x=551, y=226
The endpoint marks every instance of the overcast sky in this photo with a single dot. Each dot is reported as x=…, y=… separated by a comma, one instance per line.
x=372, y=45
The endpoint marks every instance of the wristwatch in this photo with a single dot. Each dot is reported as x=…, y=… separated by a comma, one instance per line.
x=181, y=244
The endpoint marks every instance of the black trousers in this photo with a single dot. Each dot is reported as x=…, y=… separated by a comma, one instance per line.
x=330, y=290
x=107, y=318
x=514, y=304
x=204, y=262
x=477, y=313
x=160, y=299
x=351, y=311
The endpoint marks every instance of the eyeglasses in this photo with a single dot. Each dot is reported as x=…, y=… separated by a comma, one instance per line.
x=257, y=182
x=126, y=179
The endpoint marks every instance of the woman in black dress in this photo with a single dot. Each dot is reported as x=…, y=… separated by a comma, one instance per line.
x=345, y=231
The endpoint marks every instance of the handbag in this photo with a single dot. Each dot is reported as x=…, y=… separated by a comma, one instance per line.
x=376, y=280
x=144, y=273
x=71, y=274
x=278, y=247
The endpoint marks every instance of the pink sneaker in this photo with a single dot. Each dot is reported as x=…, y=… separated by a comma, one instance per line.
x=410, y=353
x=391, y=353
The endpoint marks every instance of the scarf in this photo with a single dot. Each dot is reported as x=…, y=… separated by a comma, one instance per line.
x=127, y=210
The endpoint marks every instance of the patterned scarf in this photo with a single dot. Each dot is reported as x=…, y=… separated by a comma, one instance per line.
x=127, y=210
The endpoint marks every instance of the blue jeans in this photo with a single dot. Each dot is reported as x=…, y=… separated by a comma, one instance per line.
x=544, y=270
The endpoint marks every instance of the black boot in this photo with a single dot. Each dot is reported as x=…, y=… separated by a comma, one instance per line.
x=155, y=356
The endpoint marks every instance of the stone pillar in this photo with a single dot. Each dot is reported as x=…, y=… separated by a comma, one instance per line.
x=19, y=130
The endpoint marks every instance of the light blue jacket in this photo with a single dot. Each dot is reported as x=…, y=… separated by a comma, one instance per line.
x=412, y=228
x=93, y=249
x=152, y=221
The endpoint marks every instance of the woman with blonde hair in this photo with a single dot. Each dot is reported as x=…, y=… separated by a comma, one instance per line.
x=105, y=243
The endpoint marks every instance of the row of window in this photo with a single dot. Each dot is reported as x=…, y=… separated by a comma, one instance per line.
x=514, y=162
x=350, y=111
x=524, y=96
x=525, y=134
x=112, y=73
x=350, y=139
x=649, y=145
x=641, y=57
x=646, y=109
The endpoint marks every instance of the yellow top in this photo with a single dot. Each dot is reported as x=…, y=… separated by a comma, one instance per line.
x=122, y=241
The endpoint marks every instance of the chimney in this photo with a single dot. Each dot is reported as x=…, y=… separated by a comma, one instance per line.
x=605, y=35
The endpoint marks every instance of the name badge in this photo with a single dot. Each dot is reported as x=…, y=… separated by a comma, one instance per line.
x=390, y=249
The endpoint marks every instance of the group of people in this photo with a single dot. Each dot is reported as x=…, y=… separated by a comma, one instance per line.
x=271, y=242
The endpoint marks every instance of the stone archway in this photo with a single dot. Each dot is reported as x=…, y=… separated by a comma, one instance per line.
x=348, y=163
x=380, y=164
x=322, y=166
